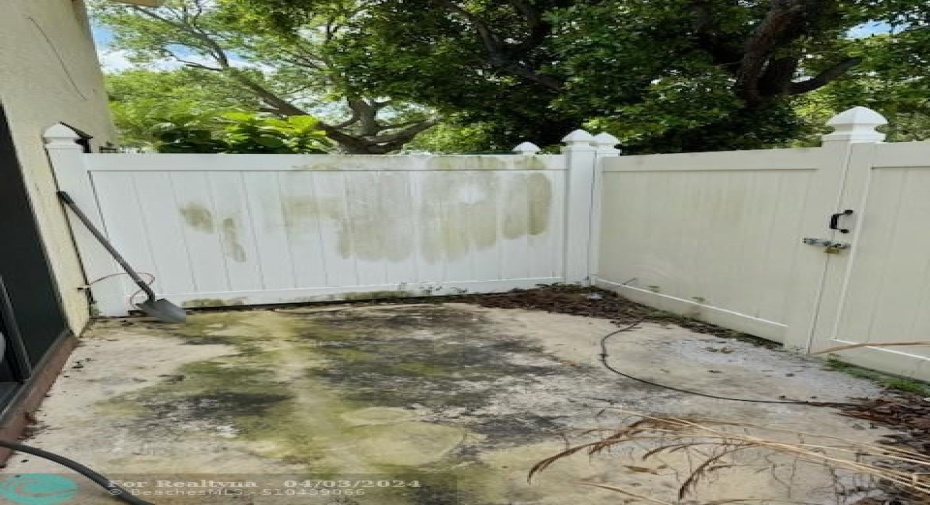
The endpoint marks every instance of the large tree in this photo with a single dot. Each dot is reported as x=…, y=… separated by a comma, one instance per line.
x=894, y=79
x=292, y=74
x=664, y=75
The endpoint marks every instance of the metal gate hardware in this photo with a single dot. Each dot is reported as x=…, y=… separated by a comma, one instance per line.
x=835, y=220
x=826, y=243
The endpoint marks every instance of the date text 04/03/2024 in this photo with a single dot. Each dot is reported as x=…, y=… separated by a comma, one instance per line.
x=350, y=484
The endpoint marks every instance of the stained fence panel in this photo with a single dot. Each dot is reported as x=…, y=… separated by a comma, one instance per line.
x=219, y=230
x=708, y=235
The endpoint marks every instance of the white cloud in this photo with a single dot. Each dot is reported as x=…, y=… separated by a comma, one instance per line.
x=114, y=61
x=117, y=60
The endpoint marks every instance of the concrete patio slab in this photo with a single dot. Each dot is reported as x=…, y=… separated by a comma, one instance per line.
x=416, y=404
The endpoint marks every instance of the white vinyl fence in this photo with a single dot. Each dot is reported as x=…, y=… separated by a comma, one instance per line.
x=222, y=230
x=741, y=239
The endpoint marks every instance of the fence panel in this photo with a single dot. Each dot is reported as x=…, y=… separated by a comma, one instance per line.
x=714, y=236
x=881, y=292
x=219, y=230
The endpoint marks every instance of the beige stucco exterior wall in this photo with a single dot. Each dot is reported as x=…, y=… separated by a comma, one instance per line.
x=49, y=73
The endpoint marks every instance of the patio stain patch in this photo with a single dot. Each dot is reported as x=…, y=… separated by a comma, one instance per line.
x=468, y=397
x=277, y=389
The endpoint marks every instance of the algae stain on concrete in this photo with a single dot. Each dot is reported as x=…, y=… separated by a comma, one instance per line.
x=309, y=424
x=378, y=415
x=288, y=395
x=407, y=443
x=264, y=395
x=198, y=217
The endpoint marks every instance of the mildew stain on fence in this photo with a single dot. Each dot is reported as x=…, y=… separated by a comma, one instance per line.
x=392, y=216
x=459, y=215
x=529, y=205
x=198, y=217
x=540, y=191
x=232, y=247
x=376, y=227
x=287, y=230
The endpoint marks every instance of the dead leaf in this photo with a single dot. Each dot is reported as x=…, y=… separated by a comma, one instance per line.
x=641, y=469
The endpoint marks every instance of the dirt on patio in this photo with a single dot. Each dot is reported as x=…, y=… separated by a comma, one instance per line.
x=424, y=404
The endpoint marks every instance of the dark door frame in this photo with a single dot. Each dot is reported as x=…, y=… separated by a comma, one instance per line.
x=32, y=317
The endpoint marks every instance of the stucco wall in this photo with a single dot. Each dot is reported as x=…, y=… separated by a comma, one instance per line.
x=48, y=74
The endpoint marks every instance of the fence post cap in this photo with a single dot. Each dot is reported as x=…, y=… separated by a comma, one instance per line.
x=578, y=137
x=527, y=148
x=61, y=136
x=856, y=125
x=606, y=142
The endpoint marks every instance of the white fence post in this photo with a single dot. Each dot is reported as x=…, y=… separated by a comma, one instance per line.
x=604, y=145
x=65, y=155
x=816, y=295
x=580, y=157
x=856, y=125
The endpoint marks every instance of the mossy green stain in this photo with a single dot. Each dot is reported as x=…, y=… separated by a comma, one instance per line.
x=284, y=386
x=198, y=217
x=379, y=295
x=232, y=246
x=530, y=163
x=204, y=303
x=423, y=368
x=540, y=201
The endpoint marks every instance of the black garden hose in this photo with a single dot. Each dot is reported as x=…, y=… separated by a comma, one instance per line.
x=112, y=488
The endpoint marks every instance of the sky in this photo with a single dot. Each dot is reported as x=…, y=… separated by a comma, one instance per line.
x=112, y=60
x=115, y=60
x=869, y=29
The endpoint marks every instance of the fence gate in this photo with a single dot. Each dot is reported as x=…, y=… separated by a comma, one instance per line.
x=878, y=290
x=815, y=248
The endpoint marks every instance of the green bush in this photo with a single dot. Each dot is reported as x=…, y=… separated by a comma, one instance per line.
x=240, y=133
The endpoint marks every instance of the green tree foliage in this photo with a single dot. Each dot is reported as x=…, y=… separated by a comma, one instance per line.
x=893, y=79
x=240, y=60
x=240, y=133
x=451, y=137
x=142, y=99
x=675, y=75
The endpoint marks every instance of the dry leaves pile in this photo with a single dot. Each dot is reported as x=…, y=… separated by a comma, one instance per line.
x=712, y=448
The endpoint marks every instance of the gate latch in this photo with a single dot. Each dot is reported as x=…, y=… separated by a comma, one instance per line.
x=831, y=246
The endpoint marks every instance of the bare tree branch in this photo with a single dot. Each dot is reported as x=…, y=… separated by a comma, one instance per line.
x=823, y=78
x=500, y=54
x=761, y=45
